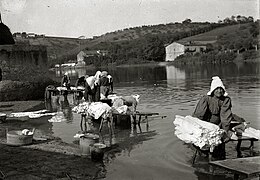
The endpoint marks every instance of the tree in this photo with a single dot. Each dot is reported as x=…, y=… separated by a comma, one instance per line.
x=238, y=45
x=5, y=34
x=247, y=43
x=250, y=19
x=153, y=49
x=186, y=21
x=227, y=20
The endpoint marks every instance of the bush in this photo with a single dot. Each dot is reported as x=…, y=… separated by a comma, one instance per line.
x=211, y=57
x=21, y=91
x=252, y=54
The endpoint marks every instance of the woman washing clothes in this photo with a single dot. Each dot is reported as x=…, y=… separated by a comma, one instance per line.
x=92, y=88
x=65, y=82
x=80, y=85
x=215, y=107
x=104, y=85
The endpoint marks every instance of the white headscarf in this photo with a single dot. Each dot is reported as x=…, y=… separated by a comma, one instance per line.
x=91, y=81
x=215, y=83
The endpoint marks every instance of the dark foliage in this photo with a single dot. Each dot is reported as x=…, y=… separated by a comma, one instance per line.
x=211, y=57
x=5, y=35
x=244, y=38
x=24, y=83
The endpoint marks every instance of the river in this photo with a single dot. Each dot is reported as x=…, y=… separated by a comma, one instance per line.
x=154, y=152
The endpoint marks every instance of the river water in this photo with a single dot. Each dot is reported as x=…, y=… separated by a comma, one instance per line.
x=154, y=152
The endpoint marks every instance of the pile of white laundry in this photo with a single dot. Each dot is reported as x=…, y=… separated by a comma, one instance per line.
x=203, y=134
x=94, y=109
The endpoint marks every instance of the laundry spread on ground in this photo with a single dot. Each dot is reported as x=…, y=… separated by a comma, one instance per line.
x=203, y=134
x=59, y=117
x=32, y=114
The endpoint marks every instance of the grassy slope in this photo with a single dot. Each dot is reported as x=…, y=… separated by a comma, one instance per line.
x=212, y=35
x=61, y=47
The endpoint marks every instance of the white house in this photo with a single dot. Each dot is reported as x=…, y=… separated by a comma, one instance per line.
x=174, y=50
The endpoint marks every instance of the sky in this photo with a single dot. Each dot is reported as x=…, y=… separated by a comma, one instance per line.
x=74, y=18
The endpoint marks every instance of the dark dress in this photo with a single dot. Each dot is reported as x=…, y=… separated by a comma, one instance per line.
x=216, y=111
x=104, y=86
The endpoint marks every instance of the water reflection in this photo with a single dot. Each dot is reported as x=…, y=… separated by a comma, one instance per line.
x=169, y=90
x=223, y=70
x=61, y=104
x=124, y=141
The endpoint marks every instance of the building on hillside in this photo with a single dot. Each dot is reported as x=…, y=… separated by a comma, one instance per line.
x=195, y=48
x=102, y=52
x=80, y=58
x=24, y=35
x=17, y=35
x=176, y=49
x=31, y=35
x=89, y=53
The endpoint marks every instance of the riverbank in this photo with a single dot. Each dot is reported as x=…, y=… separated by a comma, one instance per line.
x=47, y=158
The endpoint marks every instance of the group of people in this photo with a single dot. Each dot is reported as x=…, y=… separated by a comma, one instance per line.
x=94, y=88
x=214, y=107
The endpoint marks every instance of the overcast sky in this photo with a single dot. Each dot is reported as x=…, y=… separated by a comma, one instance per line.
x=74, y=18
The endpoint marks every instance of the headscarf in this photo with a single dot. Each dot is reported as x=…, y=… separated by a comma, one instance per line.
x=215, y=83
x=91, y=81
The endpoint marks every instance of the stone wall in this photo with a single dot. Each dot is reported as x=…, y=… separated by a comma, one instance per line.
x=24, y=55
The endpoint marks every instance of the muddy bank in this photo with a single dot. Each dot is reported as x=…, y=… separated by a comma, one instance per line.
x=47, y=158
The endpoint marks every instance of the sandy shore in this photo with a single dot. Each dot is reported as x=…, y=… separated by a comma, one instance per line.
x=48, y=158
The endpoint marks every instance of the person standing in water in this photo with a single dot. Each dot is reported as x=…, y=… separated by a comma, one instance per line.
x=65, y=82
x=215, y=107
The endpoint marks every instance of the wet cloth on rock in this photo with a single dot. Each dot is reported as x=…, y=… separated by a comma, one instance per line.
x=203, y=134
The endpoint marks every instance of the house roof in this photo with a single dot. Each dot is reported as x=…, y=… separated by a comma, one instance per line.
x=195, y=43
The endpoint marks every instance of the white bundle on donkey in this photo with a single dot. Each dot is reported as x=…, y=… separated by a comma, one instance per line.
x=203, y=134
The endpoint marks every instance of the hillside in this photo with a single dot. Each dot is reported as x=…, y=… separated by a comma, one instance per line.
x=128, y=38
x=231, y=43
x=62, y=49
x=215, y=33
x=132, y=45
x=55, y=45
x=137, y=32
